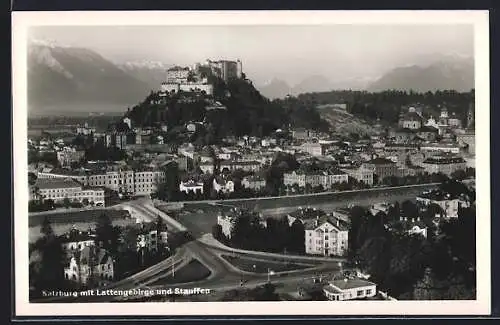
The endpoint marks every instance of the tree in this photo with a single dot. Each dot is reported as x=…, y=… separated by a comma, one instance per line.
x=409, y=209
x=50, y=268
x=459, y=174
x=217, y=232
x=297, y=237
x=160, y=228
x=66, y=203
x=46, y=228
x=106, y=234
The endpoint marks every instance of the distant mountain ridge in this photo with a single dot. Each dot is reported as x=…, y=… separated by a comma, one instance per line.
x=448, y=73
x=277, y=88
x=71, y=77
x=433, y=72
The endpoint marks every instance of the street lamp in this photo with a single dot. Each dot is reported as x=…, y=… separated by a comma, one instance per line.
x=269, y=273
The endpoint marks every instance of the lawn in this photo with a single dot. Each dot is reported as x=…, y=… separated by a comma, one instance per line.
x=193, y=271
x=260, y=266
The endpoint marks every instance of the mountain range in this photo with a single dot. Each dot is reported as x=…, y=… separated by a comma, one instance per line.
x=63, y=78
x=435, y=72
x=70, y=79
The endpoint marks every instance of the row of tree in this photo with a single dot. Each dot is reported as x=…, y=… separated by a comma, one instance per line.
x=397, y=261
x=277, y=235
x=388, y=105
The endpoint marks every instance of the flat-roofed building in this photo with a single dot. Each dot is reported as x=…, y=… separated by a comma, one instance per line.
x=349, y=289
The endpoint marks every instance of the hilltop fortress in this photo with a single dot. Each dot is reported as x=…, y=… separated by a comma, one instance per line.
x=195, y=79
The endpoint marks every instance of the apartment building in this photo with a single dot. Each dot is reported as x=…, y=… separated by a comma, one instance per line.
x=255, y=183
x=326, y=235
x=361, y=174
x=66, y=157
x=448, y=203
x=59, y=189
x=138, y=182
x=445, y=164
x=315, y=178
x=382, y=168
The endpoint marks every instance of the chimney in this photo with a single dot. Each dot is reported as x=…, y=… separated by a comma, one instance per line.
x=317, y=221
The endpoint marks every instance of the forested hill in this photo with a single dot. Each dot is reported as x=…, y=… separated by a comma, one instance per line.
x=247, y=113
x=387, y=105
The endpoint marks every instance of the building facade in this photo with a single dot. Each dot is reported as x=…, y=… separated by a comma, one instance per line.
x=381, y=167
x=444, y=164
x=326, y=236
x=59, y=189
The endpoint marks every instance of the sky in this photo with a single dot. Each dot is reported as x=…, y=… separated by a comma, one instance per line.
x=290, y=53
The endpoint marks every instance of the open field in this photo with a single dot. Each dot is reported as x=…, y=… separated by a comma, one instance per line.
x=262, y=266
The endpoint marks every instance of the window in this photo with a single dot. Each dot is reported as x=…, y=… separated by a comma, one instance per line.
x=360, y=293
x=368, y=291
x=326, y=237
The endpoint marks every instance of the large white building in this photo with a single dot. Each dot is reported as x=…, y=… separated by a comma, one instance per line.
x=450, y=205
x=312, y=148
x=361, y=174
x=66, y=157
x=138, y=182
x=315, y=178
x=59, y=189
x=444, y=164
x=191, y=186
x=326, y=235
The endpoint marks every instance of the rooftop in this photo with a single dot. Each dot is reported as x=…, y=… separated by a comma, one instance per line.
x=56, y=183
x=436, y=195
x=442, y=160
x=381, y=161
x=346, y=284
x=313, y=223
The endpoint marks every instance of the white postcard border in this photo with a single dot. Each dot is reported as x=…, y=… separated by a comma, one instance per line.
x=21, y=21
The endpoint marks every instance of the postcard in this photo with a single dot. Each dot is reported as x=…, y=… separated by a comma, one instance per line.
x=251, y=163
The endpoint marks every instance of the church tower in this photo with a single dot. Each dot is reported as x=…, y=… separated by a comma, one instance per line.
x=470, y=116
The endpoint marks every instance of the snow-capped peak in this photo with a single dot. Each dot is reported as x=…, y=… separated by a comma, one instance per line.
x=145, y=64
x=47, y=43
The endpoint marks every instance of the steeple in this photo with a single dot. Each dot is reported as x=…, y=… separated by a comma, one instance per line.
x=470, y=116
